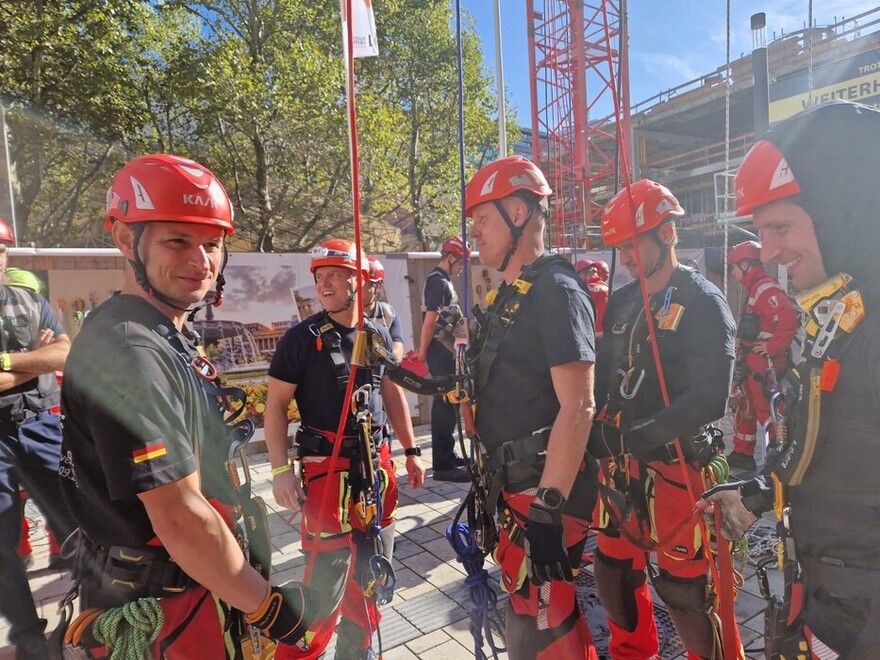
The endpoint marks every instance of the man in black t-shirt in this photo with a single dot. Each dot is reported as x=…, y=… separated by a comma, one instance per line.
x=142, y=434
x=312, y=365
x=440, y=311
x=533, y=360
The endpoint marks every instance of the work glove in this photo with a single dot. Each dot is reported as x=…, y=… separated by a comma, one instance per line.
x=741, y=503
x=286, y=612
x=546, y=555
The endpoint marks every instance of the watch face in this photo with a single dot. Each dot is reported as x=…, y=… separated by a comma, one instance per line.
x=551, y=497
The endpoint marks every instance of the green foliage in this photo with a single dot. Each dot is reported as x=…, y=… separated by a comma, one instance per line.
x=255, y=90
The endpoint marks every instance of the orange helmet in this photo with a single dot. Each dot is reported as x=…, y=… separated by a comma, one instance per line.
x=339, y=252
x=746, y=251
x=454, y=245
x=504, y=177
x=166, y=188
x=6, y=233
x=582, y=264
x=654, y=205
x=376, y=270
x=763, y=177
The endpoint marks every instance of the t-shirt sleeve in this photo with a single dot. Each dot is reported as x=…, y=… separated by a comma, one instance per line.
x=566, y=326
x=436, y=293
x=49, y=320
x=396, y=331
x=139, y=424
x=289, y=359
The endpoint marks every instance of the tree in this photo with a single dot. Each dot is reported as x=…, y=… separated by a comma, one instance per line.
x=66, y=75
x=254, y=89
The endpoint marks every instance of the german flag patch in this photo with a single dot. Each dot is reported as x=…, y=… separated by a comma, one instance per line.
x=149, y=453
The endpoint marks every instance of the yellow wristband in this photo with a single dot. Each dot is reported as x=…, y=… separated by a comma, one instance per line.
x=280, y=470
x=5, y=362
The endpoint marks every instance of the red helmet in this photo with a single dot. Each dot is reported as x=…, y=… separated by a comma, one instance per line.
x=602, y=269
x=582, y=264
x=166, y=188
x=504, y=177
x=376, y=270
x=747, y=251
x=339, y=252
x=763, y=177
x=654, y=204
x=6, y=233
x=454, y=245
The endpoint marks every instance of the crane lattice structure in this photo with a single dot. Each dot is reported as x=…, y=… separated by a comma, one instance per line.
x=578, y=62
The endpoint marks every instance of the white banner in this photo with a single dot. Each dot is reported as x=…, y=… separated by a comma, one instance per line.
x=363, y=28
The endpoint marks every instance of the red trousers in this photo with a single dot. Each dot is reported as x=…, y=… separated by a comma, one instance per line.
x=542, y=622
x=750, y=413
x=338, y=544
x=680, y=556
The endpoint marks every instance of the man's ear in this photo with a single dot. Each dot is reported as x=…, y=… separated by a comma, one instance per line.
x=520, y=210
x=123, y=236
x=667, y=234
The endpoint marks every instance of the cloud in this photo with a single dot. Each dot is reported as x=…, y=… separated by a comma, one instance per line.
x=667, y=66
x=247, y=285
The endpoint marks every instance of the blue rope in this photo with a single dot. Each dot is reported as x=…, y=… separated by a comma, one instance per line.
x=485, y=619
x=465, y=275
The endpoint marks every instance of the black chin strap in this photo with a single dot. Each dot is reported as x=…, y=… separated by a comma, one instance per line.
x=515, y=232
x=665, y=251
x=140, y=274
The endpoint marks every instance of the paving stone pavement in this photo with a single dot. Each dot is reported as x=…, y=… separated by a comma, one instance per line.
x=428, y=617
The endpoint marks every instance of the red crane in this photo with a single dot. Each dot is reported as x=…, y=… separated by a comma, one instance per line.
x=578, y=63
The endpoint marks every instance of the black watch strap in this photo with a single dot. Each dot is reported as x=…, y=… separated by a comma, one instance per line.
x=412, y=451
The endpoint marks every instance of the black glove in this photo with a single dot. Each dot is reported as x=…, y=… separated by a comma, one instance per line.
x=286, y=612
x=546, y=555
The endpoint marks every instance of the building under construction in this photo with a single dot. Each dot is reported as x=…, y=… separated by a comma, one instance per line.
x=691, y=137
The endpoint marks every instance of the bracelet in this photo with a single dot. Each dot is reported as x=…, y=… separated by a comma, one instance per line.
x=280, y=470
x=5, y=362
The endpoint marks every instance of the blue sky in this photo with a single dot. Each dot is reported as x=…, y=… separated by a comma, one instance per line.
x=671, y=41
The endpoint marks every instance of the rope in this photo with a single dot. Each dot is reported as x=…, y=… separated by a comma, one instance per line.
x=485, y=619
x=129, y=631
x=721, y=568
x=355, y=188
x=462, y=182
x=727, y=83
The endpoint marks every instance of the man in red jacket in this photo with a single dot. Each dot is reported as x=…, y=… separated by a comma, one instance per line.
x=766, y=328
x=597, y=283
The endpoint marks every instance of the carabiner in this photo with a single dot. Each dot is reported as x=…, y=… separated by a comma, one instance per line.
x=625, y=378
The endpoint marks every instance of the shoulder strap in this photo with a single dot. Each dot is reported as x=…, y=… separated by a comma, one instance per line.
x=502, y=311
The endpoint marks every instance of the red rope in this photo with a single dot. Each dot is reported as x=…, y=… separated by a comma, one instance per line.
x=355, y=188
x=722, y=572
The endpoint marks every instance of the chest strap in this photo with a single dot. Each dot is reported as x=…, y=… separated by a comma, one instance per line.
x=499, y=317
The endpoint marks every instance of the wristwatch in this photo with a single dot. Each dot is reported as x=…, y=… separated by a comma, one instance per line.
x=412, y=451
x=5, y=362
x=551, y=498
